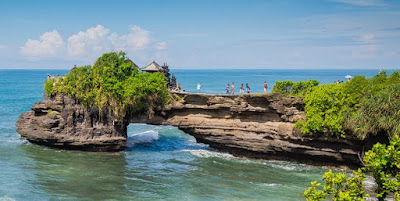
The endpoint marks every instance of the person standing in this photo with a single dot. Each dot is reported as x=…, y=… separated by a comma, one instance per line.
x=227, y=88
x=265, y=87
x=233, y=88
x=198, y=86
x=241, y=89
x=247, y=88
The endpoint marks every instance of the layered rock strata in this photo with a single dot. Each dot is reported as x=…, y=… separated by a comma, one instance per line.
x=255, y=126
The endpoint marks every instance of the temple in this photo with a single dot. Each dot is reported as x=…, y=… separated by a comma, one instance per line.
x=155, y=67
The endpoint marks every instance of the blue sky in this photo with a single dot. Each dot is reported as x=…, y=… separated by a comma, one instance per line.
x=252, y=34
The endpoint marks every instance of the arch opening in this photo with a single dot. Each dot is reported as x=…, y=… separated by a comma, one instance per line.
x=155, y=138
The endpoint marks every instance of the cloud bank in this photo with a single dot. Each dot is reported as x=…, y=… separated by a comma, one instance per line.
x=90, y=43
x=50, y=44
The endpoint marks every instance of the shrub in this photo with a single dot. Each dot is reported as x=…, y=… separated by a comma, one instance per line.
x=325, y=109
x=338, y=186
x=379, y=113
x=384, y=164
x=49, y=87
x=360, y=106
x=294, y=88
x=284, y=87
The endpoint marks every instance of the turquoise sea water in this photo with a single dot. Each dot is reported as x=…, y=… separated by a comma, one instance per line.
x=160, y=163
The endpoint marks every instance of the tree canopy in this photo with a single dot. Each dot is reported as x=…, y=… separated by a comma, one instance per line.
x=114, y=83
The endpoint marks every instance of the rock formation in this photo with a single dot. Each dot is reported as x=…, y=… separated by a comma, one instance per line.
x=256, y=126
x=63, y=123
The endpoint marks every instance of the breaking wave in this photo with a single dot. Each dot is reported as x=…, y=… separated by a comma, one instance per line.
x=143, y=137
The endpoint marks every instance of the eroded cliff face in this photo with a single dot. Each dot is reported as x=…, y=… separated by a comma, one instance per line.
x=63, y=123
x=256, y=126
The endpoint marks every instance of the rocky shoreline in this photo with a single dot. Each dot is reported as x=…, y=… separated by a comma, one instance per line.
x=254, y=126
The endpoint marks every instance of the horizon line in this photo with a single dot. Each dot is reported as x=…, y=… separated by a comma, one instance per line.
x=226, y=68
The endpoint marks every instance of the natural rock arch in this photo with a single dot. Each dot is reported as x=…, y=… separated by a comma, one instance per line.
x=257, y=126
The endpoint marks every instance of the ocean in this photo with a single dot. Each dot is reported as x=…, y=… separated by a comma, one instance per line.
x=160, y=162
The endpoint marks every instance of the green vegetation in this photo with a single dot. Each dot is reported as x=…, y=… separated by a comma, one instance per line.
x=361, y=106
x=294, y=88
x=384, y=164
x=338, y=186
x=49, y=87
x=325, y=107
x=378, y=113
x=113, y=83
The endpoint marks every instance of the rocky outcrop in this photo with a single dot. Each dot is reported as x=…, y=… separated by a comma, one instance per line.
x=256, y=126
x=63, y=123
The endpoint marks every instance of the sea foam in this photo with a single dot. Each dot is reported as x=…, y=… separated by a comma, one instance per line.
x=203, y=153
x=143, y=137
x=7, y=198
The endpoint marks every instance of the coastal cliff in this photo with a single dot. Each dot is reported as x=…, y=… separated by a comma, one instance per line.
x=64, y=123
x=254, y=126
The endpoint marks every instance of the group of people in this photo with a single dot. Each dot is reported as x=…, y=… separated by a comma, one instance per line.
x=230, y=89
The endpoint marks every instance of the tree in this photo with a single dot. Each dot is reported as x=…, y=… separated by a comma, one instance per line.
x=113, y=83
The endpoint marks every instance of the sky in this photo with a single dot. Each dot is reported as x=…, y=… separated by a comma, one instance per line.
x=203, y=34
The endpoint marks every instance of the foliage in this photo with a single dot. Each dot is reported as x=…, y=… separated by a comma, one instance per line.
x=378, y=113
x=51, y=112
x=113, y=83
x=338, y=186
x=384, y=164
x=360, y=106
x=49, y=87
x=313, y=193
x=177, y=97
x=325, y=108
x=284, y=87
x=294, y=88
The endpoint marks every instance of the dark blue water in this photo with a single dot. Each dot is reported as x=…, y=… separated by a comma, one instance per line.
x=160, y=163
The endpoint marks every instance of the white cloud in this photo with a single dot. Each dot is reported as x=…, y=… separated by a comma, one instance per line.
x=362, y=2
x=88, y=44
x=136, y=39
x=50, y=44
x=161, y=46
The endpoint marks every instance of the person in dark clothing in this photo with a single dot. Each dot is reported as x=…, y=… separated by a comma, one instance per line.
x=247, y=88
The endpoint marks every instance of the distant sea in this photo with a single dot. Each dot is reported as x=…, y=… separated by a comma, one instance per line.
x=215, y=81
x=160, y=162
